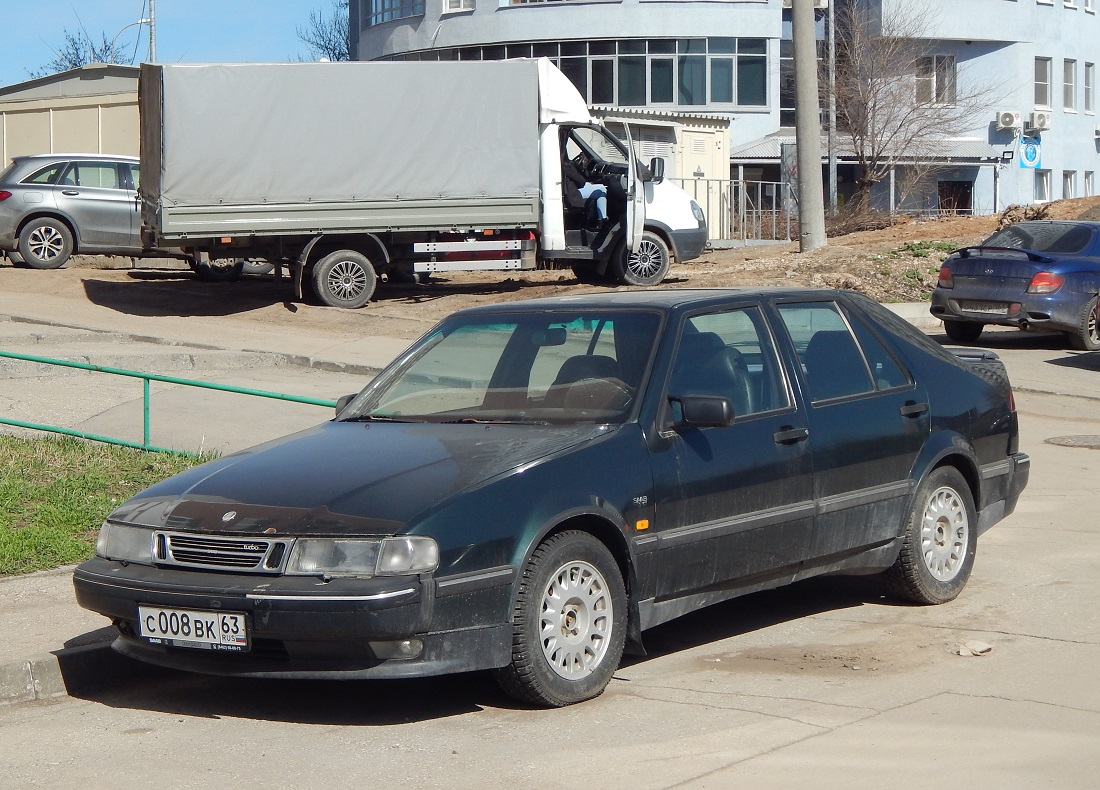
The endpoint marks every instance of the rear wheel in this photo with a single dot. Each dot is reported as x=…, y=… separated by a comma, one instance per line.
x=45, y=243
x=1087, y=336
x=568, y=623
x=963, y=331
x=940, y=540
x=647, y=265
x=344, y=278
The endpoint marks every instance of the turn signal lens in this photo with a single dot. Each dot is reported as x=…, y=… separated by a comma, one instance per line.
x=946, y=280
x=1045, y=283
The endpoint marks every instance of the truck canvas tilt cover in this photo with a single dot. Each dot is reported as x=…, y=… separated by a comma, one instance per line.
x=345, y=172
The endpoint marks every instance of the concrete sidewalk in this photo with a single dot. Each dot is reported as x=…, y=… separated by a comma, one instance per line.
x=49, y=646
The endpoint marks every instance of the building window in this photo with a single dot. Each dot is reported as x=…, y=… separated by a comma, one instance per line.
x=1042, y=82
x=689, y=72
x=1090, y=87
x=936, y=79
x=379, y=11
x=454, y=6
x=1069, y=184
x=1090, y=185
x=1042, y=186
x=1069, y=85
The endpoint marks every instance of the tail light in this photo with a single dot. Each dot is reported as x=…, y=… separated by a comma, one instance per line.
x=946, y=280
x=1045, y=283
x=4, y=195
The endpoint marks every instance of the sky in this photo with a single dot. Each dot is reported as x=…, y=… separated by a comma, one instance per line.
x=188, y=31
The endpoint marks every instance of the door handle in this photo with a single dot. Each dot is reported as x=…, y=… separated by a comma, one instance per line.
x=913, y=409
x=69, y=192
x=789, y=435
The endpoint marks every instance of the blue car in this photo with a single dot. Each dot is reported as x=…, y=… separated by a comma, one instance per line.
x=1031, y=275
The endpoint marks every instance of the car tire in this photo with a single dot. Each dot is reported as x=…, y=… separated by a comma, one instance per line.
x=647, y=265
x=568, y=623
x=963, y=331
x=45, y=243
x=1087, y=336
x=940, y=541
x=223, y=270
x=344, y=278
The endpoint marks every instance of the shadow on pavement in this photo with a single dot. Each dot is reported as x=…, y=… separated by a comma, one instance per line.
x=124, y=683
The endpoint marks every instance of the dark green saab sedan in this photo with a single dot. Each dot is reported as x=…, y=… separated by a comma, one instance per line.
x=531, y=486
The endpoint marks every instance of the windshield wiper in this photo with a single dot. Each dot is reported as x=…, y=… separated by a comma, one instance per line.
x=375, y=418
x=493, y=421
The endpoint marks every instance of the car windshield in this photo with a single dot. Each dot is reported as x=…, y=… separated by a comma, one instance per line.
x=1057, y=237
x=533, y=367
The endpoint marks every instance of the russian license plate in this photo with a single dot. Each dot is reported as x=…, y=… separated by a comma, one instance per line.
x=193, y=628
x=989, y=308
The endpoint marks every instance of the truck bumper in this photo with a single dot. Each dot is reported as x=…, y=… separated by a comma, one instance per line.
x=688, y=244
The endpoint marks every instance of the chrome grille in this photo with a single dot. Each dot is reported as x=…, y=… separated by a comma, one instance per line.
x=220, y=553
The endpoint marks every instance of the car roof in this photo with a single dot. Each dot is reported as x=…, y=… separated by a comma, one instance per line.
x=663, y=299
x=75, y=157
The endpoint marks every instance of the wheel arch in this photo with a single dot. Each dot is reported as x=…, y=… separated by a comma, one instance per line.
x=950, y=450
x=367, y=244
x=604, y=529
x=48, y=214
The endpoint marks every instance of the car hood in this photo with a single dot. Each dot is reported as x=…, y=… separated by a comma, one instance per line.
x=346, y=478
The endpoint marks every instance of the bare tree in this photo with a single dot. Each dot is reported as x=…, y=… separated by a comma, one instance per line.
x=328, y=36
x=79, y=50
x=897, y=98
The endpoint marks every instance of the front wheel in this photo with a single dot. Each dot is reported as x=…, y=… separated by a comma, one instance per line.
x=940, y=540
x=344, y=278
x=963, y=331
x=646, y=265
x=1087, y=336
x=568, y=623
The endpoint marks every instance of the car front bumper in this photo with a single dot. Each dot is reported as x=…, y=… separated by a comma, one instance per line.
x=303, y=627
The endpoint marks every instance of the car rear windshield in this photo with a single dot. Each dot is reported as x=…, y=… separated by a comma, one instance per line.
x=1057, y=237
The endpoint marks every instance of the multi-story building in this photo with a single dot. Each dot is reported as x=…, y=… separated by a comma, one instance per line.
x=732, y=58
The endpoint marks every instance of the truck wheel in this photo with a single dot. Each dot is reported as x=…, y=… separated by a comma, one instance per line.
x=45, y=243
x=568, y=623
x=940, y=540
x=1087, y=336
x=344, y=278
x=647, y=265
x=223, y=270
x=257, y=266
x=963, y=331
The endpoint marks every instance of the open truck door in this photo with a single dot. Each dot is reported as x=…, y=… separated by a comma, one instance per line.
x=635, y=198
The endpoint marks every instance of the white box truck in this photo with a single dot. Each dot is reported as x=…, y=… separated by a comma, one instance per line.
x=347, y=172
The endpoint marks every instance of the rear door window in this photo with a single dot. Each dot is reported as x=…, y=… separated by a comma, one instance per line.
x=832, y=362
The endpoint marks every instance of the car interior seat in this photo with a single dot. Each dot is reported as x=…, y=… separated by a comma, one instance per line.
x=707, y=366
x=835, y=366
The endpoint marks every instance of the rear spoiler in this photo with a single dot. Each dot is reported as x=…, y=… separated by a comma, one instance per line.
x=1032, y=255
x=974, y=354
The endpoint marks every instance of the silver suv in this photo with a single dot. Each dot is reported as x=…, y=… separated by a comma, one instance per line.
x=52, y=205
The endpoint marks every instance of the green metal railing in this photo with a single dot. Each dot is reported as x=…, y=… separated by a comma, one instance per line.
x=146, y=378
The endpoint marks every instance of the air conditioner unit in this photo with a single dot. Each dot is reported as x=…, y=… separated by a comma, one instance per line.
x=1006, y=119
x=1039, y=121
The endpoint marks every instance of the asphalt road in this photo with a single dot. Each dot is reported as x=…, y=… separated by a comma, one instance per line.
x=824, y=684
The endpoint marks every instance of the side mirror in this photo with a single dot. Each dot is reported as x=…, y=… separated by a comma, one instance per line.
x=343, y=401
x=657, y=168
x=701, y=411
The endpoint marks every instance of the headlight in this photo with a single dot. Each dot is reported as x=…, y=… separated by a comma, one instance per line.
x=698, y=212
x=128, y=544
x=362, y=557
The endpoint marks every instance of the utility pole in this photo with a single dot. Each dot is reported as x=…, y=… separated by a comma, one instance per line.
x=152, y=31
x=811, y=201
x=832, y=109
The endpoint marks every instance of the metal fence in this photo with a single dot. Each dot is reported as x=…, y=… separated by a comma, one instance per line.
x=742, y=210
x=146, y=378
